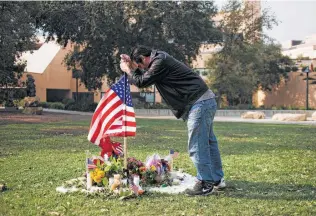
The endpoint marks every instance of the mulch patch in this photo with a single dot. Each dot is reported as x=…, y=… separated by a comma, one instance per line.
x=16, y=118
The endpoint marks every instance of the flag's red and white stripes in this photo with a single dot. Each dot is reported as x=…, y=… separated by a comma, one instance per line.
x=118, y=149
x=90, y=164
x=112, y=117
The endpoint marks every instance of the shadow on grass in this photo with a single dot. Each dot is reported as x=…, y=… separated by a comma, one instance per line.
x=268, y=191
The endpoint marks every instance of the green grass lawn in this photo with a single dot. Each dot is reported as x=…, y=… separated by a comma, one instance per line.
x=270, y=170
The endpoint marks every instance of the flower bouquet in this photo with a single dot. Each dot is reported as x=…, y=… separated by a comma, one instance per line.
x=154, y=172
x=134, y=166
x=109, y=173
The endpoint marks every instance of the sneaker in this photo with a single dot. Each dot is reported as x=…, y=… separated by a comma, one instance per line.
x=220, y=184
x=201, y=188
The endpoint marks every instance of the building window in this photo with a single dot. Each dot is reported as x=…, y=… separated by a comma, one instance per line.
x=87, y=97
x=57, y=95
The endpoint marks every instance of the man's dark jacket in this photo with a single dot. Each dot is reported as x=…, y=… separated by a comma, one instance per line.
x=178, y=85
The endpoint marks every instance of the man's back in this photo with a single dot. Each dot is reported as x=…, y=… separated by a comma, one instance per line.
x=179, y=86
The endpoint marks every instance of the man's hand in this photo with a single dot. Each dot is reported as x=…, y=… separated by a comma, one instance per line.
x=127, y=65
x=125, y=57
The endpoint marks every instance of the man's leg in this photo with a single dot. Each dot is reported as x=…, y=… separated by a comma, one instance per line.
x=216, y=162
x=199, y=147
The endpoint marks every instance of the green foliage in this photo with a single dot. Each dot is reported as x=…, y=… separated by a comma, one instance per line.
x=287, y=69
x=294, y=69
x=70, y=104
x=81, y=106
x=19, y=93
x=9, y=103
x=44, y=104
x=247, y=60
x=12, y=94
x=55, y=105
x=19, y=103
x=106, y=29
x=30, y=86
x=158, y=106
x=67, y=101
x=301, y=57
x=115, y=167
x=17, y=34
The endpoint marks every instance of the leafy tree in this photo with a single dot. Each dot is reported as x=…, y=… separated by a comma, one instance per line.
x=17, y=34
x=30, y=86
x=249, y=59
x=294, y=69
x=301, y=57
x=71, y=60
x=106, y=29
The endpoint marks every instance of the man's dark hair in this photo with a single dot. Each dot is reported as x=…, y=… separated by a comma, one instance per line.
x=138, y=51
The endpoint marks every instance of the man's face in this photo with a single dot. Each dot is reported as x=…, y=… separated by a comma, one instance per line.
x=144, y=64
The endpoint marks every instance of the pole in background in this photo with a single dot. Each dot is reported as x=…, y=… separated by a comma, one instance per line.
x=307, y=87
x=154, y=94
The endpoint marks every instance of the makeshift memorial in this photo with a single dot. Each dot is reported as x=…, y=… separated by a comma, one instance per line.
x=107, y=175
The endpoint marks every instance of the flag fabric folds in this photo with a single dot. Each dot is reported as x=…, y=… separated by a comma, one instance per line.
x=114, y=115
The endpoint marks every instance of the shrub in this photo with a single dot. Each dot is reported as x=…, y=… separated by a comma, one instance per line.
x=287, y=69
x=71, y=106
x=274, y=107
x=56, y=105
x=67, y=101
x=139, y=106
x=19, y=93
x=294, y=69
x=18, y=103
x=158, y=106
x=9, y=103
x=243, y=106
x=81, y=106
x=43, y=104
x=30, y=86
x=92, y=107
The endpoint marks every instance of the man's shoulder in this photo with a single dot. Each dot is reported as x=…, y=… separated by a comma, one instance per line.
x=158, y=58
x=157, y=54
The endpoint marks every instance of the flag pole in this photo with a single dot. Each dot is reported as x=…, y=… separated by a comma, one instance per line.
x=124, y=120
x=125, y=152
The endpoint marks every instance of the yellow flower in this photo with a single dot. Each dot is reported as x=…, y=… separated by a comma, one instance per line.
x=101, y=173
x=152, y=168
x=97, y=179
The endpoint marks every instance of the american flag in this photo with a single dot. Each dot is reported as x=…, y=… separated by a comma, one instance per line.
x=134, y=188
x=114, y=115
x=117, y=148
x=174, y=153
x=90, y=164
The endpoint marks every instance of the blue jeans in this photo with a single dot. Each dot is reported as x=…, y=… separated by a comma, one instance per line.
x=203, y=146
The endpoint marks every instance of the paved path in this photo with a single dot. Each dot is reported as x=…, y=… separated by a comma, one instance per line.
x=238, y=119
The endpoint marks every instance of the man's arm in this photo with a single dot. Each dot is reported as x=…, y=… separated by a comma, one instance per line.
x=140, y=79
x=152, y=75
